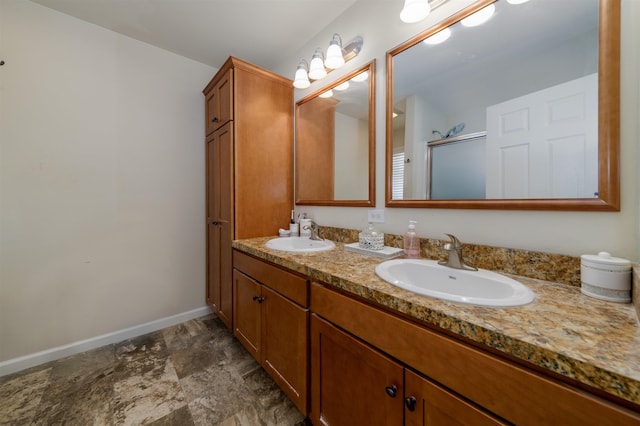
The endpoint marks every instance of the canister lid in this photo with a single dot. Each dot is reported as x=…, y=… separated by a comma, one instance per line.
x=604, y=258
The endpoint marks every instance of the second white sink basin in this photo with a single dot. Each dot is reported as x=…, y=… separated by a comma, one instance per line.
x=427, y=277
x=299, y=244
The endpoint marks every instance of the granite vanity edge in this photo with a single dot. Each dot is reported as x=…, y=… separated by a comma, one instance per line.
x=581, y=371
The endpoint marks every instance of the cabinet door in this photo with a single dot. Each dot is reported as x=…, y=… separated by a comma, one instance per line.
x=285, y=345
x=247, y=316
x=427, y=403
x=352, y=383
x=219, y=186
x=219, y=103
x=225, y=220
x=213, y=230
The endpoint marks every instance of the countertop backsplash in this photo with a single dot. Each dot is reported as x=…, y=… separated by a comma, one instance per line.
x=526, y=263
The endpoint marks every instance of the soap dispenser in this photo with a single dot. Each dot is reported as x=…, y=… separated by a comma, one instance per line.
x=411, y=242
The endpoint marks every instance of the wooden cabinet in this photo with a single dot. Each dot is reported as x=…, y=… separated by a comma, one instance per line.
x=219, y=102
x=427, y=403
x=249, y=167
x=354, y=384
x=219, y=229
x=456, y=379
x=271, y=320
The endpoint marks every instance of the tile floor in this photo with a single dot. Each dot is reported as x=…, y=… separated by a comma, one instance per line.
x=194, y=373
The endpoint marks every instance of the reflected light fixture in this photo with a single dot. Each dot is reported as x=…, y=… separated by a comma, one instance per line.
x=480, y=17
x=301, y=80
x=316, y=68
x=517, y=1
x=334, y=53
x=342, y=86
x=438, y=37
x=363, y=76
x=414, y=11
x=327, y=94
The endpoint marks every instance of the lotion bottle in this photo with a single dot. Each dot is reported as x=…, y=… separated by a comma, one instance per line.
x=411, y=242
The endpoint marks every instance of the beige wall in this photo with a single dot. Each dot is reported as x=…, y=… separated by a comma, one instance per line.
x=101, y=181
x=571, y=233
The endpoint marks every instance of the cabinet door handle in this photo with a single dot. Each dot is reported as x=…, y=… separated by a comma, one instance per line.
x=215, y=119
x=410, y=403
x=258, y=299
x=391, y=390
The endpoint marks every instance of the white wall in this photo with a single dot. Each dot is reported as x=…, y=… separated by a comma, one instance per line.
x=101, y=181
x=571, y=233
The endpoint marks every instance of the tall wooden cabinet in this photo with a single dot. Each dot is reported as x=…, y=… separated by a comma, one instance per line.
x=249, y=167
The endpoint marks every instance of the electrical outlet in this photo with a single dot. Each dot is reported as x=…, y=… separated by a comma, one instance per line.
x=376, y=216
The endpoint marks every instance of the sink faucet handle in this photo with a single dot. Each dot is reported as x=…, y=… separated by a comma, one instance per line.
x=453, y=244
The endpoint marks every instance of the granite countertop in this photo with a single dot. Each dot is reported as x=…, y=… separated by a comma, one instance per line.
x=592, y=341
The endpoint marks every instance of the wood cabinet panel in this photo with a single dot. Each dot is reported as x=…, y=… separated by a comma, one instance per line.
x=247, y=312
x=350, y=380
x=427, y=403
x=219, y=221
x=502, y=387
x=285, y=354
x=219, y=102
x=292, y=286
x=271, y=326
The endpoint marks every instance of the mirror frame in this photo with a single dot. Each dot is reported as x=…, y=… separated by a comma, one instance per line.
x=371, y=201
x=608, y=124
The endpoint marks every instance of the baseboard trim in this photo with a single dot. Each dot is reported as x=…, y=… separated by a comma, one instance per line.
x=27, y=361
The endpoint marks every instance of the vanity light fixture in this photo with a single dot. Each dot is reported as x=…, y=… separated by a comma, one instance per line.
x=327, y=94
x=337, y=55
x=301, y=80
x=480, y=17
x=438, y=37
x=334, y=53
x=414, y=11
x=316, y=68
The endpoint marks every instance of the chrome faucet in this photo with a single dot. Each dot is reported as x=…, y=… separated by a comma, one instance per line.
x=313, y=227
x=454, y=251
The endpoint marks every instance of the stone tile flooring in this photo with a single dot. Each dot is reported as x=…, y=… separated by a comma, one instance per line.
x=194, y=373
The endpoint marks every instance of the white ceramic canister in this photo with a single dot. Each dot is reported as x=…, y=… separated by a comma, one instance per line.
x=606, y=277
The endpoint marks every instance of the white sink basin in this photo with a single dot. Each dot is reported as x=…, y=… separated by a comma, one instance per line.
x=299, y=244
x=482, y=287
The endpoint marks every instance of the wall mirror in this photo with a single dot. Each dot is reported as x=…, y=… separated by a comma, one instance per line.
x=335, y=142
x=520, y=112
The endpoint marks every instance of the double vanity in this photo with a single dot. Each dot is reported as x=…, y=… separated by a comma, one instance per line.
x=350, y=348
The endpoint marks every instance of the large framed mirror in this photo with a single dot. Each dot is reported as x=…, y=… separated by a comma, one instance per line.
x=335, y=142
x=520, y=112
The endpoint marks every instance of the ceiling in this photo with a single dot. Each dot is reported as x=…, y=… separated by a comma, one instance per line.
x=264, y=32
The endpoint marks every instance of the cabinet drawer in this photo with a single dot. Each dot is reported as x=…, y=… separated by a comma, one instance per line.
x=514, y=393
x=289, y=285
